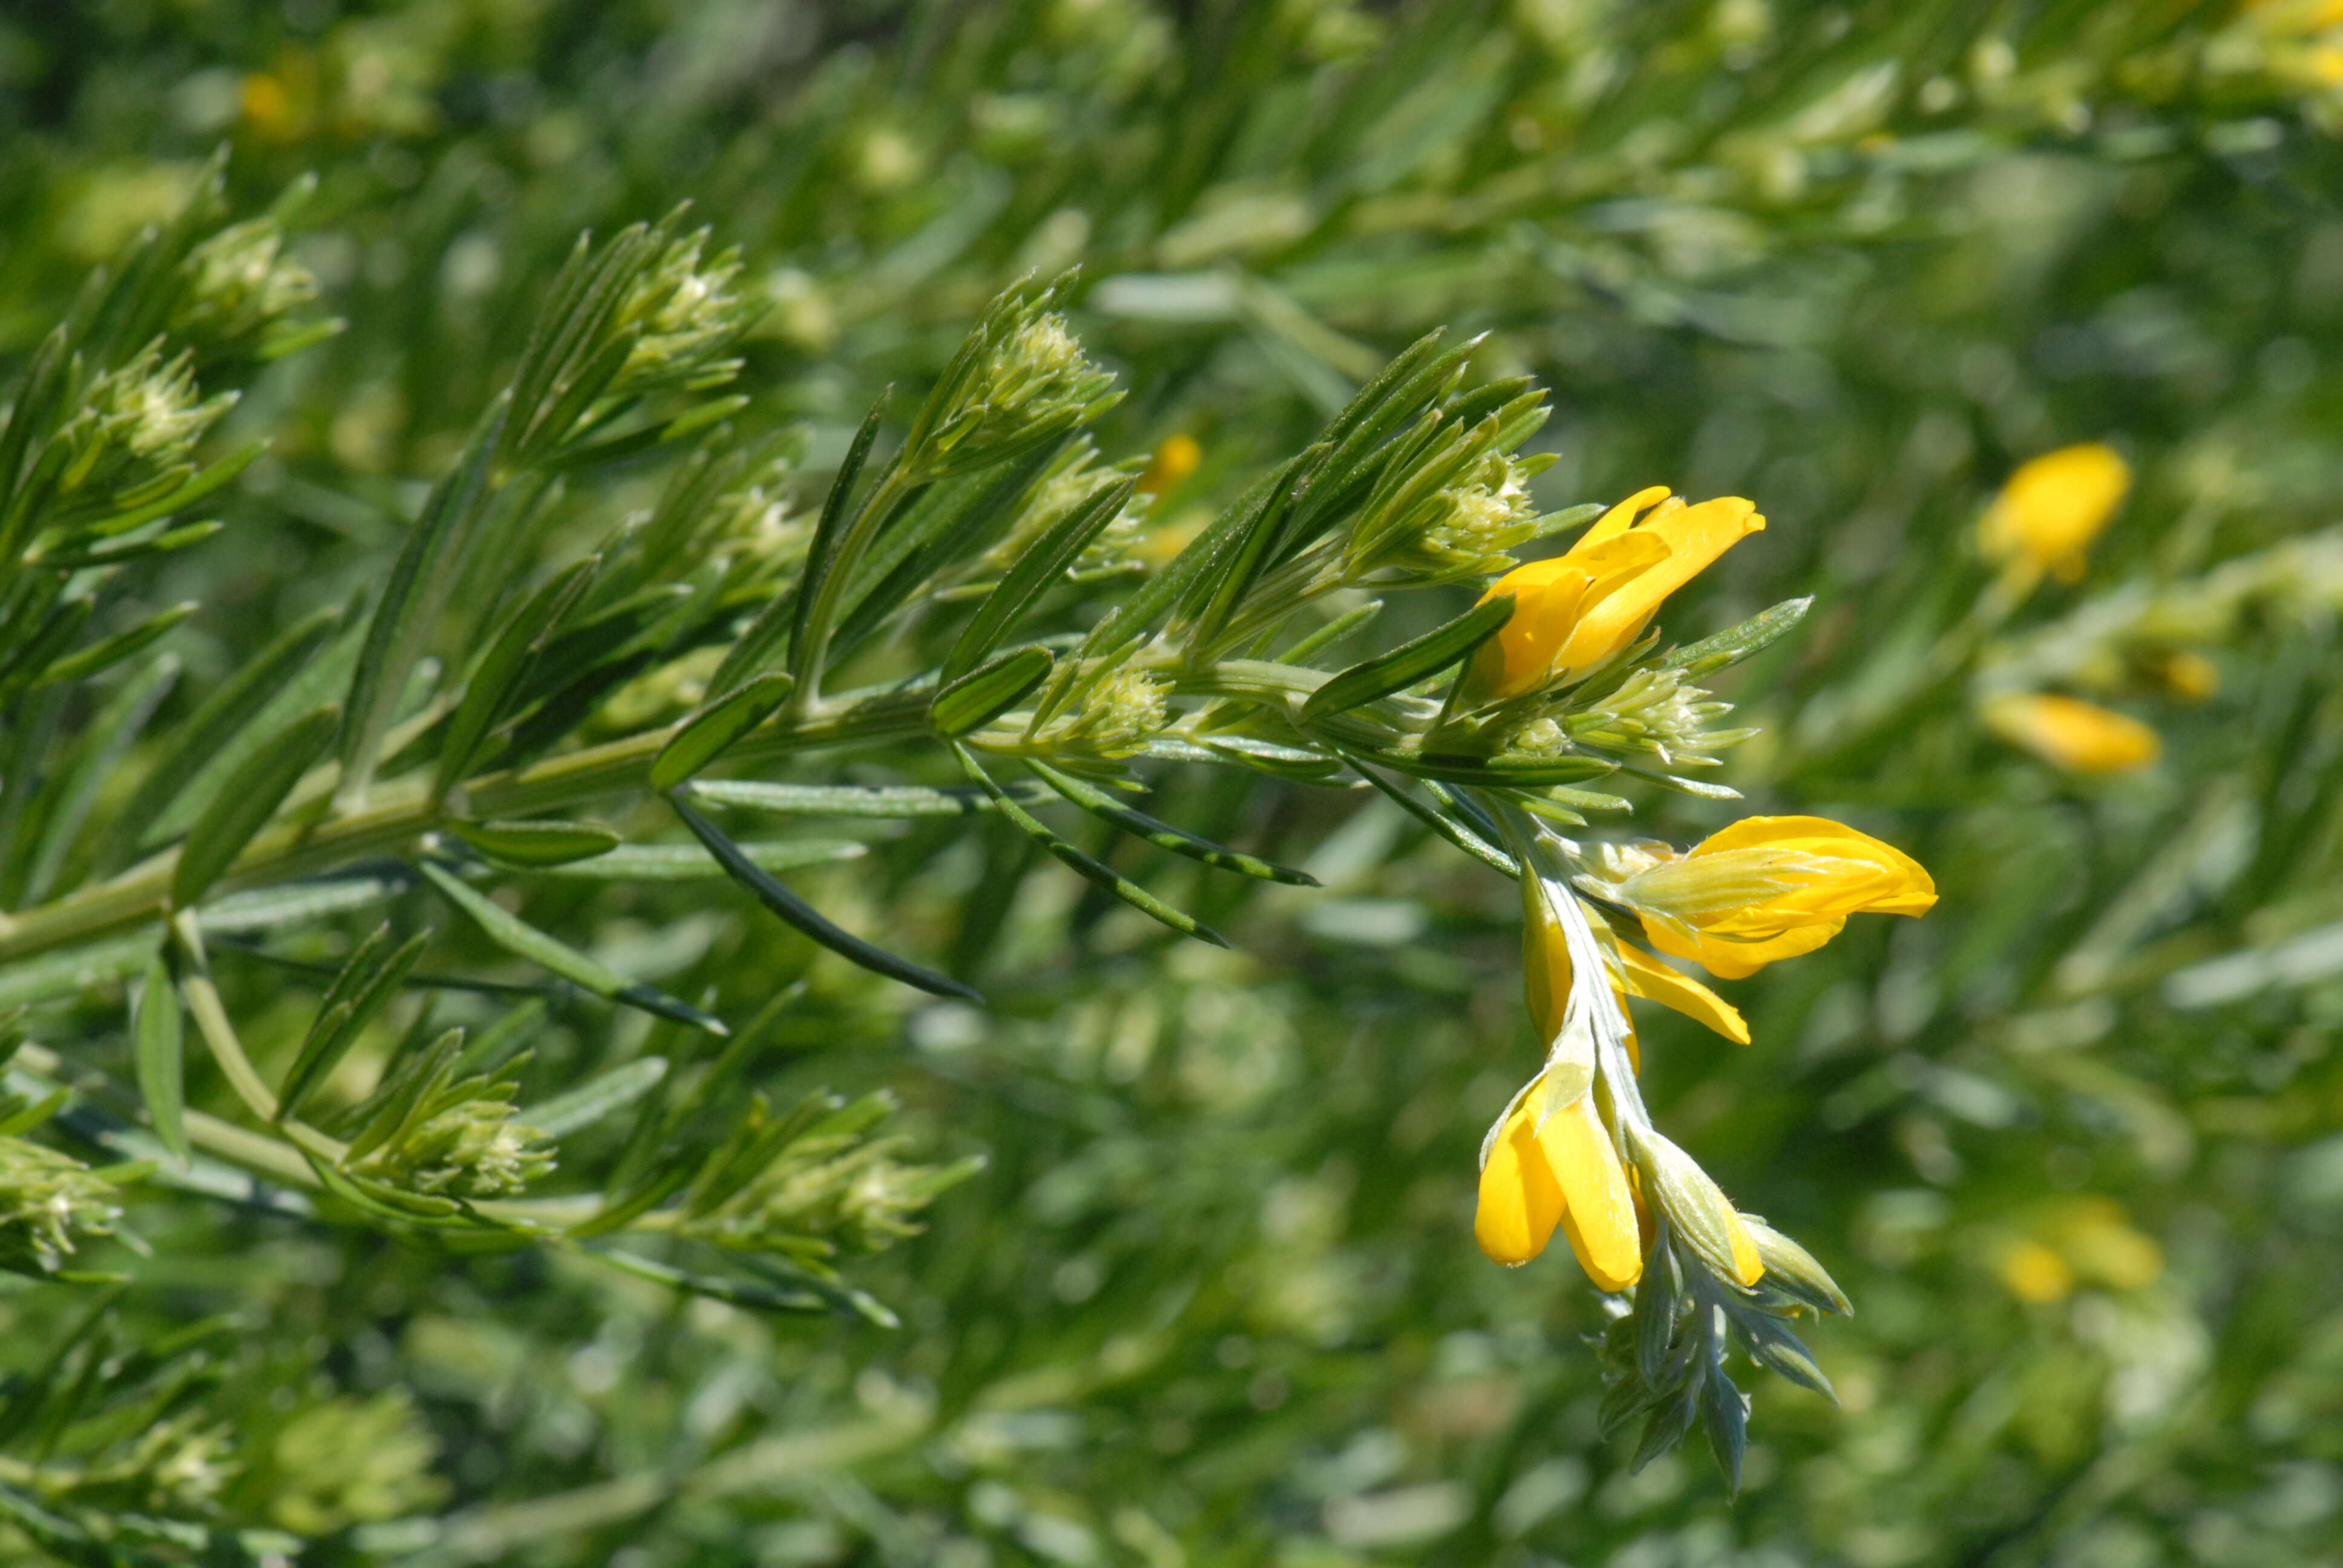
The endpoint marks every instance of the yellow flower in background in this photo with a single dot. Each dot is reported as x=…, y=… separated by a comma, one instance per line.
x=1556, y=1166
x=2077, y=1240
x=1578, y=609
x=2051, y=509
x=2080, y=737
x=1766, y=887
x=1176, y=459
x=2182, y=672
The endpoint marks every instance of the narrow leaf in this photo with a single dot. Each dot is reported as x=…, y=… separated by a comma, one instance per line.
x=1086, y=867
x=249, y=800
x=1349, y=622
x=602, y=1095
x=822, y=558
x=854, y=800
x=501, y=672
x=1733, y=644
x=220, y=718
x=797, y=912
x=1041, y=566
x=1417, y=660
x=977, y=698
x=518, y=937
x=1163, y=835
x=691, y=862
x=534, y=844
x=160, y=1041
x=372, y=975
x=411, y=600
x=110, y=651
x=704, y=736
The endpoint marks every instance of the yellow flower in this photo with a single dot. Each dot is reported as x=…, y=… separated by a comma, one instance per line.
x=1546, y=976
x=2081, y=737
x=2052, y=508
x=2035, y=1274
x=1174, y=460
x=1768, y=888
x=1556, y=1165
x=2080, y=1239
x=1578, y=609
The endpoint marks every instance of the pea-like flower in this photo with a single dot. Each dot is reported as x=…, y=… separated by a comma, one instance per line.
x=2052, y=508
x=1575, y=611
x=1765, y=888
x=2080, y=737
x=1556, y=1166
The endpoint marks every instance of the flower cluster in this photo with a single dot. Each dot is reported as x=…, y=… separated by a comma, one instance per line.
x=1575, y=1150
x=47, y=1200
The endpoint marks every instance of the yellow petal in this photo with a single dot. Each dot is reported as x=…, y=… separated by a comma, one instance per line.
x=1598, y=1210
x=1730, y=958
x=1899, y=884
x=2054, y=507
x=1654, y=981
x=1621, y=518
x=2080, y=737
x=1695, y=537
x=1520, y=1200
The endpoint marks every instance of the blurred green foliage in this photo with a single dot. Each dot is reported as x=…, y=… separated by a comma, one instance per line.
x=2071, y=1144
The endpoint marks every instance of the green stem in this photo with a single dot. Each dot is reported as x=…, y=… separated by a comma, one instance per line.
x=401, y=813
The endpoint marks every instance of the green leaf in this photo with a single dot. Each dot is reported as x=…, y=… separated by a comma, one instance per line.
x=249, y=800
x=705, y=734
x=1731, y=645
x=1090, y=869
x=822, y=564
x=1163, y=835
x=369, y=978
x=797, y=912
x=219, y=720
x=605, y=1094
x=1037, y=570
x=853, y=799
x=535, y=844
x=65, y=805
x=194, y=489
x=159, y=1040
x=1417, y=660
x=1345, y=625
x=518, y=937
x=411, y=600
x=691, y=862
x=502, y=669
x=982, y=696
x=1501, y=772
x=1455, y=832
x=113, y=650
x=161, y=544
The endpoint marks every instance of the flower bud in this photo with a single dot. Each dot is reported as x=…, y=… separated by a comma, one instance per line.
x=1699, y=1210
x=48, y=1199
x=1790, y=1267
